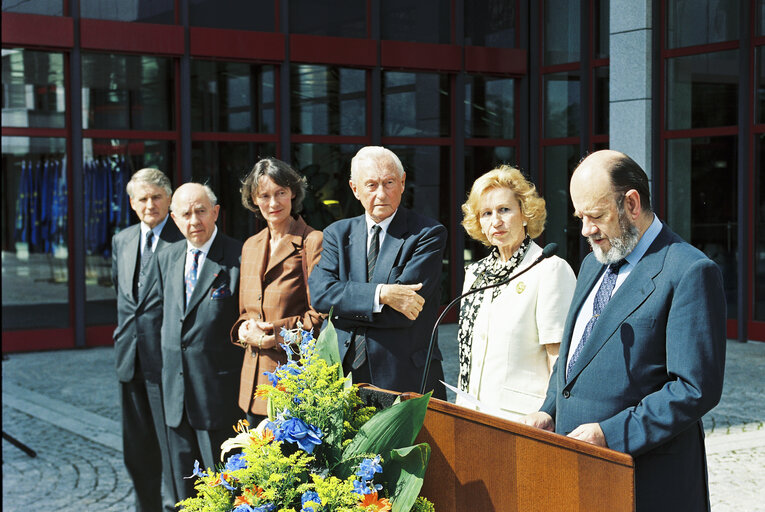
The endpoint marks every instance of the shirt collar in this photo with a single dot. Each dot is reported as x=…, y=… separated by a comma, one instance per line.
x=157, y=229
x=206, y=247
x=383, y=224
x=645, y=242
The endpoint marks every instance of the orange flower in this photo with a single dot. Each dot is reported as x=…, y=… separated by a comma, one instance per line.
x=267, y=435
x=241, y=500
x=382, y=504
x=262, y=391
x=213, y=483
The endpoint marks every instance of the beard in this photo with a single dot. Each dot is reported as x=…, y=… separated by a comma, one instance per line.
x=622, y=245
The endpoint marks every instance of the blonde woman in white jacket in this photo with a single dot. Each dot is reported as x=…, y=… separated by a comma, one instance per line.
x=509, y=335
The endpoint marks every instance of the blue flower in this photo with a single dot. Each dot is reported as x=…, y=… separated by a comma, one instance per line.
x=272, y=378
x=285, y=334
x=225, y=482
x=368, y=468
x=197, y=471
x=295, y=430
x=292, y=368
x=235, y=462
x=244, y=507
x=361, y=488
x=268, y=507
x=309, y=500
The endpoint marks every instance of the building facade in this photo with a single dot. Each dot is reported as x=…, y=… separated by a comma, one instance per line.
x=96, y=89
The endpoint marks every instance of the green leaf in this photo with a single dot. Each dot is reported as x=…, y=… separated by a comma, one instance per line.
x=326, y=346
x=404, y=471
x=394, y=427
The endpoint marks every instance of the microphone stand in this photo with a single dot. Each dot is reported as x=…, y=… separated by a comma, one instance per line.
x=548, y=251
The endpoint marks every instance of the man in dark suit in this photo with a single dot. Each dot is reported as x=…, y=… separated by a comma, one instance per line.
x=381, y=273
x=643, y=349
x=138, y=355
x=199, y=278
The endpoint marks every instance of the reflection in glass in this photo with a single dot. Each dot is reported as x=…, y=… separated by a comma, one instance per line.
x=46, y=7
x=327, y=167
x=423, y=21
x=223, y=165
x=561, y=107
x=145, y=11
x=489, y=107
x=107, y=167
x=33, y=89
x=415, y=104
x=602, y=34
x=561, y=31
x=327, y=100
x=338, y=18
x=232, y=97
x=478, y=161
x=702, y=90
x=693, y=22
x=490, y=23
x=759, y=76
x=701, y=201
x=233, y=14
x=759, y=229
x=561, y=227
x=600, y=100
x=760, y=13
x=35, y=250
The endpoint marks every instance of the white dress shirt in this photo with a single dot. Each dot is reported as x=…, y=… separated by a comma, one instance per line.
x=384, y=225
x=202, y=257
x=156, y=229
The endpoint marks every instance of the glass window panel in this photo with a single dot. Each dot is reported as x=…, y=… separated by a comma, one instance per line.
x=122, y=92
x=145, y=11
x=339, y=18
x=602, y=34
x=561, y=31
x=428, y=187
x=423, y=21
x=416, y=104
x=759, y=74
x=35, y=238
x=478, y=161
x=490, y=23
x=107, y=167
x=47, y=7
x=692, y=22
x=223, y=165
x=327, y=100
x=233, y=14
x=327, y=167
x=760, y=18
x=33, y=89
x=562, y=105
x=702, y=90
x=759, y=228
x=702, y=198
x=600, y=100
x=232, y=97
x=489, y=107
x=561, y=227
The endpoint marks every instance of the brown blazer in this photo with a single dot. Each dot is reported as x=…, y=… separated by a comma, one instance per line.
x=274, y=291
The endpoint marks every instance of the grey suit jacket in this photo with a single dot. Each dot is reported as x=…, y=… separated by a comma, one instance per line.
x=200, y=366
x=139, y=319
x=651, y=368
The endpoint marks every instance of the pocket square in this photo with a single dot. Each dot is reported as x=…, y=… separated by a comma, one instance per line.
x=222, y=292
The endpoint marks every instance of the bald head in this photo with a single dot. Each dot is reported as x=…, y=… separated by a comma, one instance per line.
x=195, y=212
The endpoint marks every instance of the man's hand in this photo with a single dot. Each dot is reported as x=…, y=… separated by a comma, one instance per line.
x=539, y=419
x=590, y=433
x=403, y=298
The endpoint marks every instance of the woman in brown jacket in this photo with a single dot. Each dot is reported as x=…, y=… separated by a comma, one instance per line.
x=273, y=292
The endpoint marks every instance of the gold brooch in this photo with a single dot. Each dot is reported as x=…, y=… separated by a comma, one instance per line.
x=520, y=287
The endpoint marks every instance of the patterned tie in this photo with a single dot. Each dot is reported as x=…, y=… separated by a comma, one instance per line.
x=147, y=252
x=360, y=341
x=373, y=252
x=601, y=299
x=191, y=275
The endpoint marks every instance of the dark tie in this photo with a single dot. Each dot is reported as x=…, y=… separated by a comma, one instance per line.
x=191, y=275
x=373, y=251
x=601, y=299
x=147, y=252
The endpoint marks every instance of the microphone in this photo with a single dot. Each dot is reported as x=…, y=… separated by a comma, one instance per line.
x=548, y=251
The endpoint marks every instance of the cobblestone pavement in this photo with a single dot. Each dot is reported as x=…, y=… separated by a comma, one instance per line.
x=64, y=405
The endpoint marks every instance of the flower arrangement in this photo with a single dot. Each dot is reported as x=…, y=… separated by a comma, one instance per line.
x=321, y=449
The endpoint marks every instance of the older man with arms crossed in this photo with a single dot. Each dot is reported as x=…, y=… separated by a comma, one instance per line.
x=138, y=356
x=381, y=273
x=200, y=372
x=643, y=350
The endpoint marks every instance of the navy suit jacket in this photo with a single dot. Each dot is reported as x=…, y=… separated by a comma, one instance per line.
x=651, y=368
x=200, y=366
x=139, y=319
x=411, y=253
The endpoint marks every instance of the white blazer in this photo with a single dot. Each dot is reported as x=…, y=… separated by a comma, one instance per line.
x=508, y=365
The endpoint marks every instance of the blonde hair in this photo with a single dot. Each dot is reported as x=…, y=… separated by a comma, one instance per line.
x=504, y=176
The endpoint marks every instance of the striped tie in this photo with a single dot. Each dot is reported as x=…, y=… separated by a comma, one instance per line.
x=191, y=275
x=374, y=250
x=360, y=341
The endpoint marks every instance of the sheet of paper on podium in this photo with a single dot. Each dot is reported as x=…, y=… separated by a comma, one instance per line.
x=475, y=401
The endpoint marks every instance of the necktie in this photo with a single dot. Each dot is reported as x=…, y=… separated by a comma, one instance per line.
x=373, y=252
x=147, y=252
x=602, y=297
x=191, y=275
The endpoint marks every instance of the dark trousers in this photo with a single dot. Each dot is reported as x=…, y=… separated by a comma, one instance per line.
x=144, y=445
x=187, y=445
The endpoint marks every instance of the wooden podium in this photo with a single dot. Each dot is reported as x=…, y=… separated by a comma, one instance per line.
x=481, y=463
